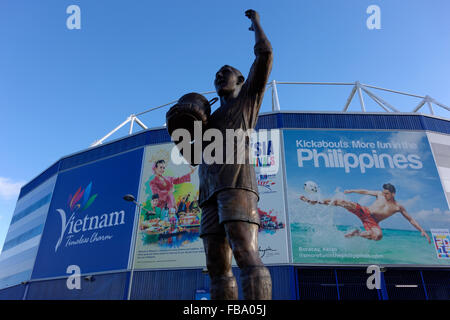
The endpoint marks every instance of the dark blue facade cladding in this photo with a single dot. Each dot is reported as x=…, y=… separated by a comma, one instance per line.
x=152, y=285
x=13, y=293
x=396, y=280
x=53, y=169
x=335, y=284
x=437, y=284
x=112, y=286
x=289, y=282
x=145, y=285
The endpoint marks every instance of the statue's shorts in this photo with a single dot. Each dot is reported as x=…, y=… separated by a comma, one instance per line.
x=228, y=205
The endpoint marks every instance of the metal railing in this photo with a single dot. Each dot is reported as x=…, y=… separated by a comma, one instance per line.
x=357, y=87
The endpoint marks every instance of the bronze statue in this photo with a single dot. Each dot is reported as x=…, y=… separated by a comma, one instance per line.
x=228, y=193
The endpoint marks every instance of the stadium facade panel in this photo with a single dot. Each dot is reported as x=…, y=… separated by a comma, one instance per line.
x=72, y=215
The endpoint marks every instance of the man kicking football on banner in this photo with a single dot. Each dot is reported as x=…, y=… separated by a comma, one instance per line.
x=383, y=207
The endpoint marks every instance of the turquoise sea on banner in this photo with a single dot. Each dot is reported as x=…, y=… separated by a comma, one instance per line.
x=309, y=245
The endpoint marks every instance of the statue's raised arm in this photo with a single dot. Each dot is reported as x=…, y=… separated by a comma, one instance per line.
x=261, y=67
x=256, y=25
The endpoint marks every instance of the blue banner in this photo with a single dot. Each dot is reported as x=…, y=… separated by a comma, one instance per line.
x=89, y=225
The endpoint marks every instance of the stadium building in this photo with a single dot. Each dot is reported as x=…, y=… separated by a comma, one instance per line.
x=72, y=218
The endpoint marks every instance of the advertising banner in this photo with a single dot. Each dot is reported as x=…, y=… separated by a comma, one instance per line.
x=364, y=197
x=272, y=237
x=89, y=225
x=169, y=223
x=168, y=233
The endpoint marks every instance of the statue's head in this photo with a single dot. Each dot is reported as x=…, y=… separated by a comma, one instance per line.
x=228, y=80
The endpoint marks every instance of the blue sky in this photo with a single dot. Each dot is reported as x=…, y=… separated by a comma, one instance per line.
x=60, y=89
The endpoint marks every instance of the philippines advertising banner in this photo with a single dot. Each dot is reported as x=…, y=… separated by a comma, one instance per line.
x=365, y=197
x=89, y=225
x=169, y=224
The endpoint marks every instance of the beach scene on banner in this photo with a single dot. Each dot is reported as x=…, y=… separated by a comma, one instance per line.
x=169, y=221
x=365, y=197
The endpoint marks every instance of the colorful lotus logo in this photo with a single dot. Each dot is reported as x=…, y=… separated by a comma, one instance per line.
x=74, y=201
x=75, y=206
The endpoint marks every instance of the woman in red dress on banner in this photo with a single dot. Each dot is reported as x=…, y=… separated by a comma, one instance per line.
x=164, y=186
